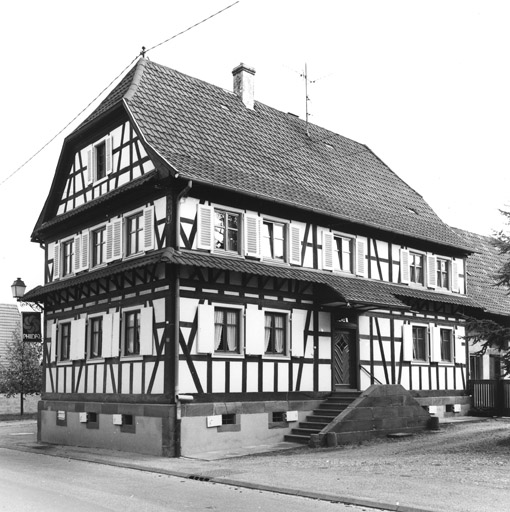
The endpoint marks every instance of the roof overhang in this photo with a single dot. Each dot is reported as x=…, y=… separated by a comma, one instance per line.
x=351, y=291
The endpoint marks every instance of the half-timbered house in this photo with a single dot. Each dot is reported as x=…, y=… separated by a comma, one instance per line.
x=215, y=268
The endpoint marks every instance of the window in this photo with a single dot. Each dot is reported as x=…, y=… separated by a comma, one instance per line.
x=226, y=231
x=419, y=343
x=273, y=241
x=98, y=246
x=416, y=274
x=226, y=330
x=342, y=256
x=100, y=151
x=132, y=333
x=67, y=257
x=443, y=273
x=275, y=333
x=446, y=345
x=96, y=337
x=65, y=341
x=134, y=234
x=99, y=160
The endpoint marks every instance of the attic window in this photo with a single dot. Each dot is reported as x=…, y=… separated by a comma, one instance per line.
x=224, y=107
x=328, y=145
x=99, y=160
x=411, y=210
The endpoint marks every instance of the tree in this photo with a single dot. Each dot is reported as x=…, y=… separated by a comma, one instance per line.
x=492, y=333
x=22, y=371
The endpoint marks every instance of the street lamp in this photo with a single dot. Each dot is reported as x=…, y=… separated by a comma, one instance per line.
x=18, y=288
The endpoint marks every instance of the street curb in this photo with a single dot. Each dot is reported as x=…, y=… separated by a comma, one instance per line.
x=332, y=498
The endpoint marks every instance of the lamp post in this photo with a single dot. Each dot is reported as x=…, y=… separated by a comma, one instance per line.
x=18, y=290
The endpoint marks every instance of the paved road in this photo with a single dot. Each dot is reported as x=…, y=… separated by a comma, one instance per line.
x=37, y=482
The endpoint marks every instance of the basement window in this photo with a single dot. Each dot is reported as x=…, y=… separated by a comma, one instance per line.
x=277, y=419
x=230, y=423
x=92, y=420
x=128, y=424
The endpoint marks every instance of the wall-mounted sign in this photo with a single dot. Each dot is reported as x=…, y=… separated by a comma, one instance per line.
x=31, y=326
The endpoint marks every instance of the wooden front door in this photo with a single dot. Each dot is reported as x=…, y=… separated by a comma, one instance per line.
x=344, y=359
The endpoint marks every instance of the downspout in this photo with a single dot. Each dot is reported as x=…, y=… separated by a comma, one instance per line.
x=177, y=313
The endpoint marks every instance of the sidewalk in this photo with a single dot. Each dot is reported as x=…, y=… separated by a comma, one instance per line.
x=386, y=474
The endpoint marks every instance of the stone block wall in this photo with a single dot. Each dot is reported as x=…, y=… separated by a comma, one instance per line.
x=380, y=410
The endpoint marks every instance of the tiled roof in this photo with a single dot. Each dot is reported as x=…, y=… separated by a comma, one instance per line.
x=208, y=135
x=482, y=267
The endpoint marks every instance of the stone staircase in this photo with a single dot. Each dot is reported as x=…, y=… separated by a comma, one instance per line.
x=328, y=410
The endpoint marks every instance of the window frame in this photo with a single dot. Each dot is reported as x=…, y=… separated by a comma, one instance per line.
x=64, y=342
x=137, y=331
x=225, y=310
x=412, y=268
x=90, y=334
x=451, y=343
x=105, y=142
x=440, y=273
x=67, y=262
x=336, y=260
x=93, y=246
x=286, y=333
x=284, y=240
x=426, y=343
x=138, y=233
x=239, y=239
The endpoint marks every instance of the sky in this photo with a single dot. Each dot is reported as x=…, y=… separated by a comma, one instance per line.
x=424, y=84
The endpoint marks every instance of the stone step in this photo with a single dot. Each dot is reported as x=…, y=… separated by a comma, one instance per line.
x=313, y=424
x=331, y=413
x=300, y=431
x=292, y=438
x=316, y=418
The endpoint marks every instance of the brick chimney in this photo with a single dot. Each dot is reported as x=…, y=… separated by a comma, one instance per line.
x=244, y=84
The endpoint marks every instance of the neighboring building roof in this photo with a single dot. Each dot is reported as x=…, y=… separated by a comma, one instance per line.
x=482, y=267
x=10, y=319
x=206, y=134
x=357, y=291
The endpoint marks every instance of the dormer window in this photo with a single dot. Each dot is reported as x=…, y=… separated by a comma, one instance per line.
x=99, y=160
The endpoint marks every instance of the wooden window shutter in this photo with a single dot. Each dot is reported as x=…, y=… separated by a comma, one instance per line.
x=327, y=250
x=435, y=343
x=252, y=228
x=455, y=276
x=148, y=228
x=56, y=261
x=431, y=271
x=205, y=215
x=459, y=348
x=404, y=266
x=407, y=340
x=106, y=349
x=205, y=331
x=298, y=322
x=108, y=154
x=91, y=160
x=116, y=239
x=85, y=237
x=78, y=333
x=255, y=330
x=295, y=244
x=76, y=263
x=360, y=257
x=146, y=331
x=54, y=341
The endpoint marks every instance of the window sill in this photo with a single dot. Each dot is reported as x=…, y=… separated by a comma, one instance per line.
x=420, y=363
x=277, y=357
x=94, y=360
x=136, y=357
x=226, y=355
x=64, y=363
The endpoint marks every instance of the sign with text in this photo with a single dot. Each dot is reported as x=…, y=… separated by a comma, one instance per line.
x=31, y=326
